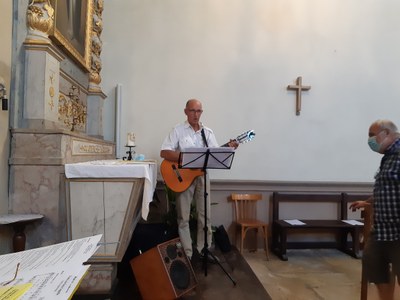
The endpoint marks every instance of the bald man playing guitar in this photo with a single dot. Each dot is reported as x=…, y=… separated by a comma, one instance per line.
x=192, y=134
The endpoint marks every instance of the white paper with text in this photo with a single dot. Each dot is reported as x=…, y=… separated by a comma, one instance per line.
x=55, y=271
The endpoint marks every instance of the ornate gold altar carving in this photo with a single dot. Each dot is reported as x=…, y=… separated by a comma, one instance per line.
x=40, y=18
x=51, y=92
x=78, y=35
x=96, y=46
x=71, y=30
x=71, y=111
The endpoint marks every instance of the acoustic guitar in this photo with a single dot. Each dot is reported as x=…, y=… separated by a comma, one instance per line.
x=179, y=180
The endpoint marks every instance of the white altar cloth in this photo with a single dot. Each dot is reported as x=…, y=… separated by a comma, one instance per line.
x=119, y=169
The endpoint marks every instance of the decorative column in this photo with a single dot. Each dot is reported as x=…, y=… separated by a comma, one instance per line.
x=95, y=99
x=42, y=68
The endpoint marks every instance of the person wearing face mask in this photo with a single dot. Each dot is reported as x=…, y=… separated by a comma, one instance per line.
x=381, y=257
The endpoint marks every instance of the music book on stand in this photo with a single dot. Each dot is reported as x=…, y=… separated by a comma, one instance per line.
x=217, y=158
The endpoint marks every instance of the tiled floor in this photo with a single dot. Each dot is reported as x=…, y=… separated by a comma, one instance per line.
x=317, y=274
x=310, y=274
x=320, y=274
x=215, y=284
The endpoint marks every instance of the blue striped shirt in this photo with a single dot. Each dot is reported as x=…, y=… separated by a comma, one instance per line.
x=387, y=195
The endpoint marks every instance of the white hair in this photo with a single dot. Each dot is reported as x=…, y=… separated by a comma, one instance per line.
x=387, y=124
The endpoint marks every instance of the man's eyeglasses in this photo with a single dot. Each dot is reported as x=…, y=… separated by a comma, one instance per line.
x=195, y=111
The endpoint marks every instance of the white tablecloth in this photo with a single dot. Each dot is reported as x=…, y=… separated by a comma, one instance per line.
x=119, y=169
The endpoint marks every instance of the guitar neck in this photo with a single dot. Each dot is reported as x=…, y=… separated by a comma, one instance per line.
x=226, y=144
x=243, y=138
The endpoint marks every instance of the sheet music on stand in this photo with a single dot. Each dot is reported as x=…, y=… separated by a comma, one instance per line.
x=218, y=158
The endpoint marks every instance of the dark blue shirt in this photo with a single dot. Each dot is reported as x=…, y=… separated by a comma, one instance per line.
x=387, y=195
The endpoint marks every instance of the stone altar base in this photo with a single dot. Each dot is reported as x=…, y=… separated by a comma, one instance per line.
x=100, y=279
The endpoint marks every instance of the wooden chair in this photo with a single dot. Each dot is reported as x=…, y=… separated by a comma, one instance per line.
x=245, y=208
x=367, y=215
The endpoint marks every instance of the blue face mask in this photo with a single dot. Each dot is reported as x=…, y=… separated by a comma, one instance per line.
x=373, y=144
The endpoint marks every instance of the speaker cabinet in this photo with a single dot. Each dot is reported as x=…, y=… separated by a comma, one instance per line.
x=163, y=272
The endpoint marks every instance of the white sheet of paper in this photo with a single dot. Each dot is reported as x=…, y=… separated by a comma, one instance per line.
x=353, y=222
x=55, y=271
x=295, y=222
x=218, y=158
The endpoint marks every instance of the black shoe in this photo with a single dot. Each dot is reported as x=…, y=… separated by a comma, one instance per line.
x=210, y=258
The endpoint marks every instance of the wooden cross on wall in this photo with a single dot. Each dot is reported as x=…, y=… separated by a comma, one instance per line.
x=298, y=87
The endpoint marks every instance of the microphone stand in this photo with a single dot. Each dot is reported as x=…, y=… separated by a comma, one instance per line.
x=192, y=164
x=205, y=250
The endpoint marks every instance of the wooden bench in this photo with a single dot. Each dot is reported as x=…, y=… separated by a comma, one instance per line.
x=318, y=222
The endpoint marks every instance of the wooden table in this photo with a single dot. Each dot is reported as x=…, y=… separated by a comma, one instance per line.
x=18, y=222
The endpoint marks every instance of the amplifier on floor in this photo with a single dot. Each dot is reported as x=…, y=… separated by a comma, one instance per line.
x=164, y=272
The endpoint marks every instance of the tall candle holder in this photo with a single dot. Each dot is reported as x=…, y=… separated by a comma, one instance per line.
x=129, y=152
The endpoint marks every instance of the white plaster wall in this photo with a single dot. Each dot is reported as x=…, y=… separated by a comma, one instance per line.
x=5, y=73
x=238, y=56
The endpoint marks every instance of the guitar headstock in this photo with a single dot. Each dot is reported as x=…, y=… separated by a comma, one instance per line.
x=246, y=136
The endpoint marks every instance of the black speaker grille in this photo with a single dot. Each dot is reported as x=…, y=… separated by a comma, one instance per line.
x=178, y=266
x=180, y=275
x=172, y=251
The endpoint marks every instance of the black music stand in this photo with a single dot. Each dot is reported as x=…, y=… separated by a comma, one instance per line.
x=207, y=158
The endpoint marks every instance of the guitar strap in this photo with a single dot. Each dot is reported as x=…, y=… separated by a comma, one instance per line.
x=204, y=137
